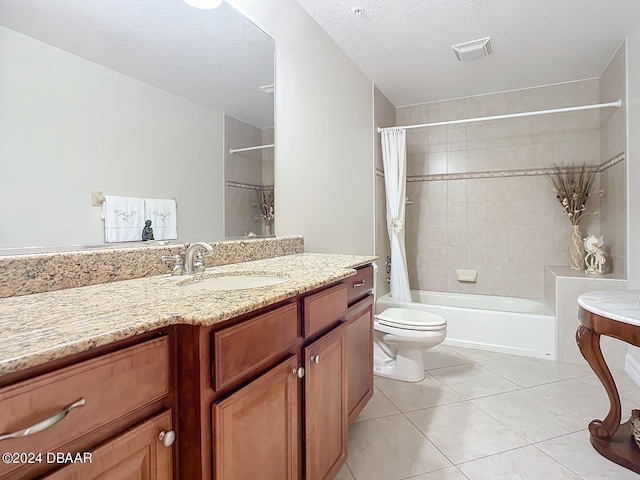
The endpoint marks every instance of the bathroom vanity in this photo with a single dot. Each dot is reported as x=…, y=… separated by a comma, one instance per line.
x=259, y=383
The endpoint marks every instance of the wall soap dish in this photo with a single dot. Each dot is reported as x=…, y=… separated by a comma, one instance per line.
x=466, y=275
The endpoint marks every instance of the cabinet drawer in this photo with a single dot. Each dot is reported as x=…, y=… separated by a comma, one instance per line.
x=253, y=344
x=360, y=284
x=136, y=453
x=323, y=309
x=112, y=386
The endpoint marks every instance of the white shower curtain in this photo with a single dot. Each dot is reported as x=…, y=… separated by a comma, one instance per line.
x=394, y=159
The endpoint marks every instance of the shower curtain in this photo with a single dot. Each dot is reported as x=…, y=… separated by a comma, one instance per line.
x=394, y=159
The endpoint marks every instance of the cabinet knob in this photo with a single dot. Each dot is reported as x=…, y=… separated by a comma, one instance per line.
x=167, y=438
x=315, y=359
x=299, y=372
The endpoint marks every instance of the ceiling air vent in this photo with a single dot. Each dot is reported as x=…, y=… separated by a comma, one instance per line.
x=268, y=89
x=465, y=52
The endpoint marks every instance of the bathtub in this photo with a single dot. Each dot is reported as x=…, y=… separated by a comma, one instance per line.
x=519, y=326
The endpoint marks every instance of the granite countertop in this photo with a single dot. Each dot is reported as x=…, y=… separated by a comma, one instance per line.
x=622, y=306
x=46, y=326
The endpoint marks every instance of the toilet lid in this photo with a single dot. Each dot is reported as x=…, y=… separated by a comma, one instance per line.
x=410, y=319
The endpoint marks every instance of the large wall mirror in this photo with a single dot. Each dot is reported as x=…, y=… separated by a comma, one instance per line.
x=137, y=98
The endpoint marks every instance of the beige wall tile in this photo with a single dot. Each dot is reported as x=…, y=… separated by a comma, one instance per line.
x=437, y=162
x=456, y=139
x=438, y=214
x=457, y=191
x=437, y=140
x=456, y=236
x=497, y=158
x=457, y=213
x=507, y=228
x=457, y=161
x=477, y=190
x=438, y=192
x=477, y=159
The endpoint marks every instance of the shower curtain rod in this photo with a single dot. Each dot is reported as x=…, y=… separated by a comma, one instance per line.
x=259, y=147
x=617, y=103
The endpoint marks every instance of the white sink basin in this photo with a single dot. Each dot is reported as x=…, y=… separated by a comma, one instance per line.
x=234, y=282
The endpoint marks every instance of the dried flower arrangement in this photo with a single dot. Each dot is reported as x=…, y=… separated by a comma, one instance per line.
x=266, y=208
x=572, y=186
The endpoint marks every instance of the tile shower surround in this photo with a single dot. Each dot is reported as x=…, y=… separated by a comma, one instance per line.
x=563, y=286
x=480, y=196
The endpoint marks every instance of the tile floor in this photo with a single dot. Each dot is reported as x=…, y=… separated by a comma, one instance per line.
x=481, y=415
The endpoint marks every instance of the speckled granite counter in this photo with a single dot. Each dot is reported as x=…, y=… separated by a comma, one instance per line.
x=46, y=326
x=49, y=271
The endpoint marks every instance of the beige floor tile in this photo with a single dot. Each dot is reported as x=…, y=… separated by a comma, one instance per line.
x=530, y=416
x=473, y=381
x=526, y=463
x=477, y=355
x=528, y=372
x=581, y=399
x=575, y=452
x=463, y=432
x=378, y=406
x=451, y=473
x=627, y=388
x=441, y=356
x=415, y=396
x=391, y=448
x=344, y=474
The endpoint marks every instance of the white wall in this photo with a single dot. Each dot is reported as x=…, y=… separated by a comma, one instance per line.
x=324, y=153
x=633, y=171
x=69, y=126
x=633, y=158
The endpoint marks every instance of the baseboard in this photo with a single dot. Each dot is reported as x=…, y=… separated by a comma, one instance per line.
x=632, y=368
x=523, y=352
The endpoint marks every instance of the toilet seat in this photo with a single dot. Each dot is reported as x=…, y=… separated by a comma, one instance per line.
x=409, y=319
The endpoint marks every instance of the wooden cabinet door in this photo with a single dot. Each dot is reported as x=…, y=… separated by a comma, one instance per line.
x=326, y=413
x=256, y=433
x=136, y=454
x=359, y=323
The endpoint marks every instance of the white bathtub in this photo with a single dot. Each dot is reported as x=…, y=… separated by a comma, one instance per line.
x=518, y=326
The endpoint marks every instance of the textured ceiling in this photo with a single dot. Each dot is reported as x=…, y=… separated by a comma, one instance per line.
x=404, y=46
x=214, y=57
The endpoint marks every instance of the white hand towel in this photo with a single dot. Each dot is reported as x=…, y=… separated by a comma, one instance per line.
x=123, y=218
x=163, y=215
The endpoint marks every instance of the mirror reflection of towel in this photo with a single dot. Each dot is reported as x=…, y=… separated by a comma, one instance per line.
x=163, y=215
x=123, y=218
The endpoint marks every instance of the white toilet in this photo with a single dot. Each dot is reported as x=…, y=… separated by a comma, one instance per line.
x=401, y=336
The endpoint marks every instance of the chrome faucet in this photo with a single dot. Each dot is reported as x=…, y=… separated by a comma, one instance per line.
x=189, y=266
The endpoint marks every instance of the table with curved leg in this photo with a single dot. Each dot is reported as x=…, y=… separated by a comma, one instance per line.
x=615, y=314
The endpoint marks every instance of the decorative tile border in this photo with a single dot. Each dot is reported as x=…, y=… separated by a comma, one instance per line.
x=525, y=172
x=45, y=272
x=610, y=163
x=249, y=186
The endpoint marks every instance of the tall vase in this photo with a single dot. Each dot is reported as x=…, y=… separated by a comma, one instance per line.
x=267, y=230
x=576, y=258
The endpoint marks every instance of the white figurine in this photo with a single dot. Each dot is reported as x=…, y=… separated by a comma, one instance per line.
x=596, y=256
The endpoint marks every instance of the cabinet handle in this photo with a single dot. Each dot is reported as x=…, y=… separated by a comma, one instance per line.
x=44, y=424
x=359, y=284
x=315, y=359
x=299, y=372
x=167, y=438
